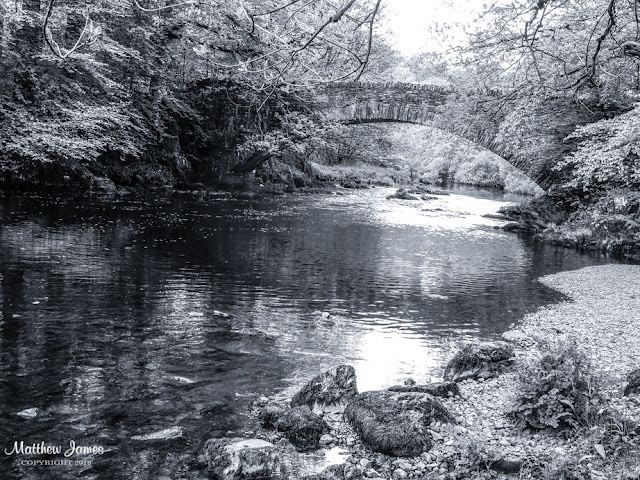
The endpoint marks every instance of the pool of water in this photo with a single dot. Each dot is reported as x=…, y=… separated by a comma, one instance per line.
x=121, y=319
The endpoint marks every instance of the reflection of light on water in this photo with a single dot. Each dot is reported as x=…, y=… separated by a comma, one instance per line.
x=388, y=357
x=314, y=462
x=450, y=212
x=336, y=455
x=439, y=213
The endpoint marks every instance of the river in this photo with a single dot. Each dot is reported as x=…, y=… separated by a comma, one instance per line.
x=121, y=319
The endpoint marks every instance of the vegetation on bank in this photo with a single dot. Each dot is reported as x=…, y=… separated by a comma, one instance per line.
x=607, y=220
x=403, y=154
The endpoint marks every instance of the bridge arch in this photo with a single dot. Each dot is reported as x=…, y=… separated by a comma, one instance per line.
x=352, y=103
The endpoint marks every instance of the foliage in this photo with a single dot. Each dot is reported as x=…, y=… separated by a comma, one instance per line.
x=478, y=452
x=557, y=389
x=608, y=153
x=381, y=154
x=89, y=85
x=562, y=467
x=534, y=70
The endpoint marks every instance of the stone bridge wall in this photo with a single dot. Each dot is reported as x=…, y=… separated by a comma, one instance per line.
x=362, y=101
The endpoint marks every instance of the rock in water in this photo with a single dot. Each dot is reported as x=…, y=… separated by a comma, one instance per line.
x=240, y=459
x=479, y=360
x=395, y=423
x=330, y=390
x=402, y=194
x=439, y=389
x=28, y=413
x=302, y=427
x=166, y=434
x=633, y=383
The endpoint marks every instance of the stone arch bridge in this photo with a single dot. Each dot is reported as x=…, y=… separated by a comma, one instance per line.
x=367, y=102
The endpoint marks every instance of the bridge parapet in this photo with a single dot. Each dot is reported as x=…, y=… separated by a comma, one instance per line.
x=368, y=101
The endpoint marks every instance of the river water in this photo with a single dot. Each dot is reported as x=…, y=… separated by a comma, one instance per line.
x=121, y=319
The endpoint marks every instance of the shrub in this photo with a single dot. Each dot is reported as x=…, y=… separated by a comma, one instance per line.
x=482, y=170
x=561, y=467
x=556, y=390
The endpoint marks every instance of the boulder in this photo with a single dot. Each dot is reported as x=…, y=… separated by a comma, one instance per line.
x=518, y=337
x=330, y=390
x=302, y=427
x=439, y=389
x=479, y=360
x=633, y=383
x=395, y=423
x=242, y=459
x=270, y=415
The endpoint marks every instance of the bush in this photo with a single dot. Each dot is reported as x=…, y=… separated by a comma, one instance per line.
x=482, y=170
x=561, y=467
x=556, y=390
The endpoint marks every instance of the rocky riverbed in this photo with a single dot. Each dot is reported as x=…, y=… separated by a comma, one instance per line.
x=463, y=427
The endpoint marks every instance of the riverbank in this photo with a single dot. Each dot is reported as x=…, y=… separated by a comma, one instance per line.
x=603, y=315
x=484, y=439
x=607, y=221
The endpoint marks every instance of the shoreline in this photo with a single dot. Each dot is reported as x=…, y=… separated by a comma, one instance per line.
x=602, y=312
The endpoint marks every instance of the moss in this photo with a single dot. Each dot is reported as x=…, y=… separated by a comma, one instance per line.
x=484, y=359
x=439, y=389
x=331, y=387
x=302, y=427
x=395, y=423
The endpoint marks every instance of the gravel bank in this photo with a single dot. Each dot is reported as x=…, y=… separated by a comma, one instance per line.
x=602, y=314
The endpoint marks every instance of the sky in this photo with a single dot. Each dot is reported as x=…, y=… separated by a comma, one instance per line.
x=412, y=22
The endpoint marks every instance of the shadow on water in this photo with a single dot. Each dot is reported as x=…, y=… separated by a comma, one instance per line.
x=125, y=319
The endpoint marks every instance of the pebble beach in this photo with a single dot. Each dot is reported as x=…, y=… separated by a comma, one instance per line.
x=602, y=314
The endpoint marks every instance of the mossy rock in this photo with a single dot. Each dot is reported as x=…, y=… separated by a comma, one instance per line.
x=395, y=423
x=302, y=427
x=333, y=388
x=271, y=414
x=479, y=360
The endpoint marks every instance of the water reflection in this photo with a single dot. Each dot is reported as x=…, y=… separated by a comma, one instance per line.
x=124, y=319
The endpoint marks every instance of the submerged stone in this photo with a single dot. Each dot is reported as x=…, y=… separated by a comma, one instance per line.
x=479, y=360
x=28, y=413
x=329, y=390
x=166, y=434
x=242, y=459
x=395, y=423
